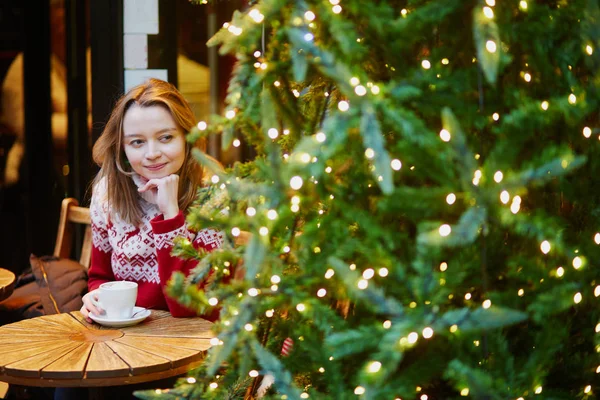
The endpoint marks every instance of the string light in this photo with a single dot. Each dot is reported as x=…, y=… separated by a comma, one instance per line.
x=413, y=337
x=527, y=77
x=495, y=116
x=369, y=153
x=275, y=279
x=577, y=298
x=488, y=12
x=273, y=133
x=354, y=81
x=272, y=215
x=587, y=389
x=520, y=293
x=477, y=177
x=445, y=135
x=270, y=313
x=329, y=273
x=320, y=136
x=560, y=271
x=362, y=284
x=375, y=89
x=577, y=262
x=425, y=64
x=256, y=16
x=251, y=211
x=451, y=198
x=498, y=176
x=487, y=304
x=396, y=164
x=545, y=247
x=296, y=182
x=236, y=143
x=202, y=125
x=387, y=324
x=383, y=272
x=445, y=61
x=374, y=367
x=360, y=90
x=191, y=380
x=464, y=392
x=343, y=106
x=368, y=273
x=359, y=390
x=490, y=46
x=230, y=114
x=572, y=98
x=427, y=333
x=445, y=230
x=504, y=197
x=468, y=296
x=321, y=292
x=589, y=49
x=516, y=204
x=309, y=16
x=336, y=9
x=300, y=307
x=235, y=231
x=213, y=385
x=248, y=327
x=523, y=5
x=263, y=231
x=545, y=105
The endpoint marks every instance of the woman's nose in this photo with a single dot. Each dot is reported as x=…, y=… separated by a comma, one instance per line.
x=153, y=151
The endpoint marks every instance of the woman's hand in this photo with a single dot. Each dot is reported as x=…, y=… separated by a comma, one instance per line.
x=89, y=305
x=164, y=193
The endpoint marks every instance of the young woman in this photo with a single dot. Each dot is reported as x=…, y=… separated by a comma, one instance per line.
x=147, y=180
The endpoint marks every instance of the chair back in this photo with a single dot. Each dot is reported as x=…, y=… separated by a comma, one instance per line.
x=71, y=213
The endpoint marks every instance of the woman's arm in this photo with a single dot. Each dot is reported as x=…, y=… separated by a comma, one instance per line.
x=165, y=230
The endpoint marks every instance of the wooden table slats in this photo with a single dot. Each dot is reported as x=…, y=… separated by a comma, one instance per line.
x=12, y=354
x=7, y=283
x=139, y=361
x=176, y=355
x=65, y=350
x=103, y=363
x=71, y=365
x=31, y=366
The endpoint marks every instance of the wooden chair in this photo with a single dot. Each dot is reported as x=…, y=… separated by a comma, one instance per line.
x=71, y=213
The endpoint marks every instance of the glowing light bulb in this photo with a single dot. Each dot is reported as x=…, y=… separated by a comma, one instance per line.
x=490, y=46
x=425, y=64
x=375, y=366
x=523, y=5
x=310, y=16
x=488, y=12
x=498, y=176
x=263, y=231
x=359, y=390
x=545, y=247
x=202, y=125
x=396, y=164
x=213, y=301
x=369, y=153
x=296, y=182
x=343, y=106
x=336, y=9
x=236, y=143
x=360, y=90
x=251, y=211
x=527, y=77
x=572, y=98
x=273, y=133
x=445, y=135
x=451, y=198
x=560, y=271
x=589, y=49
x=320, y=136
x=545, y=105
x=300, y=307
x=577, y=262
x=362, y=284
x=487, y=304
x=248, y=327
x=427, y=333
x=235, y=231
x=443, y=266
x=413, y=337
x=577, y=298
x=504, y=197
x=272, y=215
x=321, y=293
x=329, y=273
x=445, y=230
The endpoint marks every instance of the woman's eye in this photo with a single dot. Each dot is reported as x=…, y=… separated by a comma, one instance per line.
x=136, y=142
x=166, y=138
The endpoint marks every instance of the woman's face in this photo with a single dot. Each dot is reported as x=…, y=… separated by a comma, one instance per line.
x=153, y=143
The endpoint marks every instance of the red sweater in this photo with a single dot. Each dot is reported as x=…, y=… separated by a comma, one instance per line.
x=142, y=253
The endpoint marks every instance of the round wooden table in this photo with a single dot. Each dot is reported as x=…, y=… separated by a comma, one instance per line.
x=64, y=350
x=7, y=283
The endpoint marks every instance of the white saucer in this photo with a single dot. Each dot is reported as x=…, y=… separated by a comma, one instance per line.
x=142, y=314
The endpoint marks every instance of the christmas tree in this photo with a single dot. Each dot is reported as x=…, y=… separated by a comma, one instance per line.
x=421, y=214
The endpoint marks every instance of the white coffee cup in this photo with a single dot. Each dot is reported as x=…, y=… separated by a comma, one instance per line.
x=117, y=299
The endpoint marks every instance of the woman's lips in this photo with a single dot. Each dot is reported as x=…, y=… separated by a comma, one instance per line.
x=155, y=167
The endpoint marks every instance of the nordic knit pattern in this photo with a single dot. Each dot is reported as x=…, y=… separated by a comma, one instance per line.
x=142, y=254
